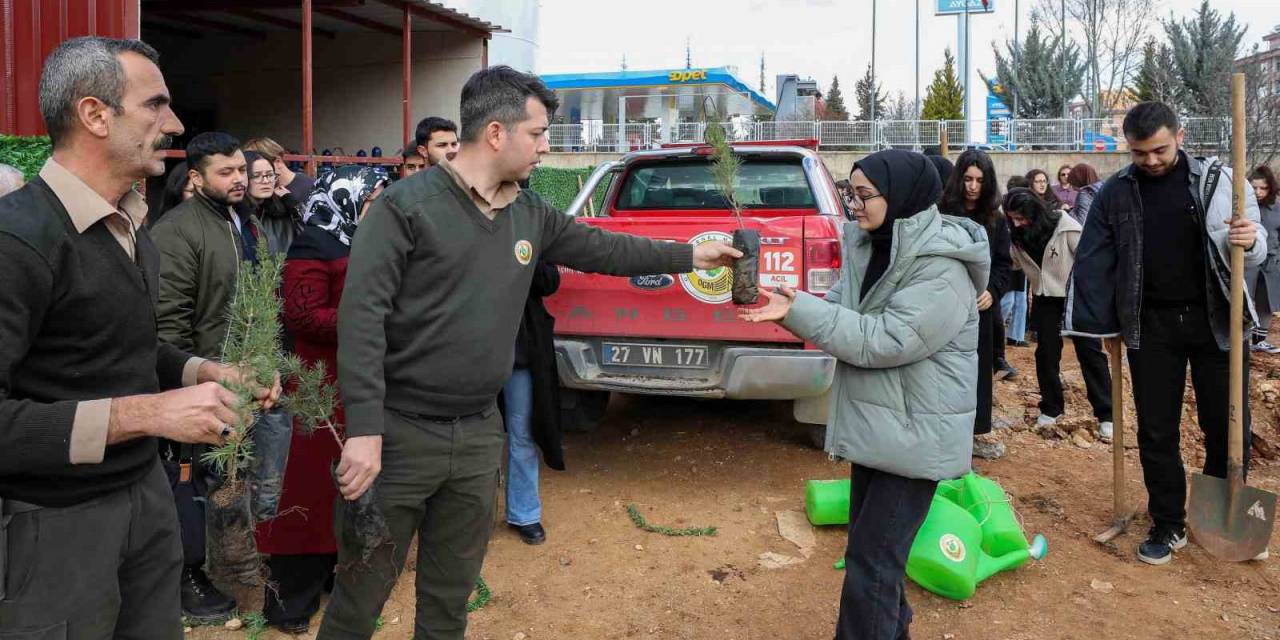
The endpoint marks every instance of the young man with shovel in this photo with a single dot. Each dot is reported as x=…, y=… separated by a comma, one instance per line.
x=1152, y=267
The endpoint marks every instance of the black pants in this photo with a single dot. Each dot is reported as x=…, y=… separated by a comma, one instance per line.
x=106, y=568
x=440, y=480
x=296, y=583
x=1172, y=337
x=986, y=367
x=1046, y=320
x=191, y=521
x=885, y=512
x=998, y=333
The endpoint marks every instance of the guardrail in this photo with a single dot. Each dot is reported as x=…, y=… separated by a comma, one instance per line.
x=1202, y=135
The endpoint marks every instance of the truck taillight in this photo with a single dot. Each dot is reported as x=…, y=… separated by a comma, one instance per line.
x=822, y=264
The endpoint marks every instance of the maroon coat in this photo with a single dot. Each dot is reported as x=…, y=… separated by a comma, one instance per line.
x=312, y=286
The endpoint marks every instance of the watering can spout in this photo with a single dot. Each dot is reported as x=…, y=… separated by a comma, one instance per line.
x=1039, y=547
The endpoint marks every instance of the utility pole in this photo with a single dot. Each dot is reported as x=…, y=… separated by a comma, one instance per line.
x=688, y=53
x=1017, y=13
x=1066, y=100
x=917, y=102
x=873, y=62
x=965, y=83
x=762, y=73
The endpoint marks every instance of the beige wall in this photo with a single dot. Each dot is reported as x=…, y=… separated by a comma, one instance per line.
x=257, y=89
x=839, y=162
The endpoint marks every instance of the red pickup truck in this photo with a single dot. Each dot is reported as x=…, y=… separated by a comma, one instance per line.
x=679, y=334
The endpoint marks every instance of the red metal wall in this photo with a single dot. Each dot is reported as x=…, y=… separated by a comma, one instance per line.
x=30, y=29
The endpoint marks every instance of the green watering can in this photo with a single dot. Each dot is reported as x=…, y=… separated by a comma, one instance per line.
x=970, y=534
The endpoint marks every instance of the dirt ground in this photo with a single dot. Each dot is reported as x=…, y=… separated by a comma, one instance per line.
x=734, y=465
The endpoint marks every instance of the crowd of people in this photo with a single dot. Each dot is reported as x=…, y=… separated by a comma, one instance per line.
x=1139, y=258
x=113, y=320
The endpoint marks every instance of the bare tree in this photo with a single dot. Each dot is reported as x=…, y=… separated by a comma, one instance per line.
x=1262, y=111
x=901, y=108
x=1113, y=31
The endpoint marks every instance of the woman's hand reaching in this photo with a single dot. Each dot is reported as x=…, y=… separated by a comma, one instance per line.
x=775, y=309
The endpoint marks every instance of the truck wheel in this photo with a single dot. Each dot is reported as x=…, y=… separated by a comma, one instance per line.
x=818, y=436
x=581, y=411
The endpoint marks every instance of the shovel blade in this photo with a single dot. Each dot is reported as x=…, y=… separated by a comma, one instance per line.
x=1232, y=530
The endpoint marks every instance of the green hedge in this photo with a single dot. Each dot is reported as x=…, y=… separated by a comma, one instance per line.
x=27, y=154
x=560, y=186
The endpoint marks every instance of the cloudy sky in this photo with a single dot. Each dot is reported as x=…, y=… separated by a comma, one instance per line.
x=815, y=38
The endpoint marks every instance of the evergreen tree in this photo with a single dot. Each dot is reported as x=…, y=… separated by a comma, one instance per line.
x=944, y=99
x=835, y=102
x=1040, y=75
x=870, y=100
x=1204, y=49
x=1157, y=79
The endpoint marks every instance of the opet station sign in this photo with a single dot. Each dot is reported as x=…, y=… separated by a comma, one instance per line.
x=688, y=75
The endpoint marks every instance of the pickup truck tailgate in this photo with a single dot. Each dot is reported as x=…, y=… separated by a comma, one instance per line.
x=695, y=305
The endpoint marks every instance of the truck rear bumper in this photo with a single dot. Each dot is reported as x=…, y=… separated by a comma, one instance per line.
x=748, y=373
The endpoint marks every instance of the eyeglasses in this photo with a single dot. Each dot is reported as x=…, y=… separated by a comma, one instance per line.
x=264, y=177
x=856, y=201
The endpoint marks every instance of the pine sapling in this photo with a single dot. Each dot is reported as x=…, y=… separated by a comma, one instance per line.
x=251, y=462
x=725, y=166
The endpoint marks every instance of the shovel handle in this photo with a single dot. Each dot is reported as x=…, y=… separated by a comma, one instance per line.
x=1115, y=347
x=1235, y=433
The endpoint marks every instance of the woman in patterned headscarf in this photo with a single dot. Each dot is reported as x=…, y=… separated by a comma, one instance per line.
x=300, y=540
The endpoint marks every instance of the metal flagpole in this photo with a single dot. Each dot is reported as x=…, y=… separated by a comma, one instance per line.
x=1017, y=13
x=965, y=84
x=872, y=100
x=1066, y=99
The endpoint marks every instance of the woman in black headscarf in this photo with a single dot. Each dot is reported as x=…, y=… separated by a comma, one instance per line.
x=944, y=167
x=903, y=329
x=300, y=540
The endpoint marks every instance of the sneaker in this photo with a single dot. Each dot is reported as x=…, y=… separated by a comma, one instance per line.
x=1046, y=421
x=530, y=533
x=1266, y=347
x=988, y=449
x=1005, y=371
x=1262, y=557
x=297, y=627
x=201, y=601
x=1105, y=430
x=1161, y=543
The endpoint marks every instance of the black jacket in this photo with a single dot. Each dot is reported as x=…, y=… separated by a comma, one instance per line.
x=77, y=323
x=999, y=243
x=1105, y=295
x=537, y=343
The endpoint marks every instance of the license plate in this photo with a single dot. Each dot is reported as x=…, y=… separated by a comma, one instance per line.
x=655, y=355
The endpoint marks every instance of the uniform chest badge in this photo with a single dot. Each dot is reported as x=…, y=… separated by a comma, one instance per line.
x=524, y=252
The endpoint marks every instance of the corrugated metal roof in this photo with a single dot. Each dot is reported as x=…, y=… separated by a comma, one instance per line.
x=436, y=7
x=333, y=16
